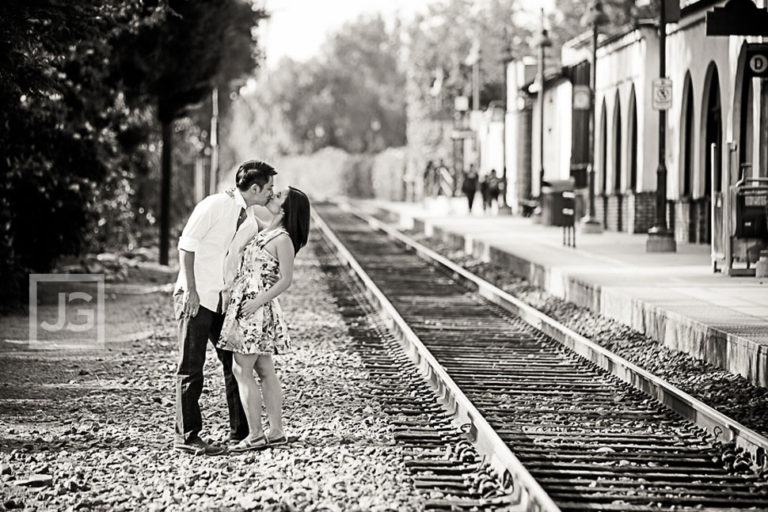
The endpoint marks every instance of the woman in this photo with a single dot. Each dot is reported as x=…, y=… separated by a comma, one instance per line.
x=254, y=328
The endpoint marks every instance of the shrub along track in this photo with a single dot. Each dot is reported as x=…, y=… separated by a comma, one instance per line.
x=590, y=440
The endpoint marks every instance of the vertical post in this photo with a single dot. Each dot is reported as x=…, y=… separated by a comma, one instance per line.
x=503, y=205
x=165, y=191
x=660, y=239
x=199, y=180
x=541, y=105
x=475, y=86
x=543, y=43
x=214, y=140
x=591, y=225
x=762, y=141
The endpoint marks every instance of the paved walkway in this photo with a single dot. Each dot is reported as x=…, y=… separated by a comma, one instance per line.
x=674, y=298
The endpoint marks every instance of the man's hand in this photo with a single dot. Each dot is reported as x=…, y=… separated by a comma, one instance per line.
x=251, y=306
x=270, y=280
x=191, y=303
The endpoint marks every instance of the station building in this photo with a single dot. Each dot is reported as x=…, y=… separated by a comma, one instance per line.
x=716, y=129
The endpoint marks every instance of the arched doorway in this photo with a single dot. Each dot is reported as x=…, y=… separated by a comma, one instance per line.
x=747, y=132
x=632, y=160
x=604, y=161
x=712, y=150
x=687, y=153
x=745, y=124
x=686, y=208
x=617, y=160
x=741, y=157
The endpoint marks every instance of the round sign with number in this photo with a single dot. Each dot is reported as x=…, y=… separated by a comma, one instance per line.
x=758, y=64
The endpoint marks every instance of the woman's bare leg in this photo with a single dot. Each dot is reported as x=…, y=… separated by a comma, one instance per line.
x=273, y=395
x=250, y=392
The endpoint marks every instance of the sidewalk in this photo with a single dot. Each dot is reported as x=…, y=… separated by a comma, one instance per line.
x=675, y=298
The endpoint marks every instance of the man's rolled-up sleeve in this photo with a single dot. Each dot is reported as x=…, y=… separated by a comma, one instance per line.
x=197, y=227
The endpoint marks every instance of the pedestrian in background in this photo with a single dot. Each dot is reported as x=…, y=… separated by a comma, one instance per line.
x=429, y=179
x=469, y=185
x=484, y=192
x=493, y=188
x=445, y=180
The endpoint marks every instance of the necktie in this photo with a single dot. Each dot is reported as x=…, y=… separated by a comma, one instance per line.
x=241, y=218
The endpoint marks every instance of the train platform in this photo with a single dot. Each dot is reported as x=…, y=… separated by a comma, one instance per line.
x=675, y=298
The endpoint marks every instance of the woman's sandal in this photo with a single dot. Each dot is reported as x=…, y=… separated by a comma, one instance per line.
x=247, y=445
x=278, y=441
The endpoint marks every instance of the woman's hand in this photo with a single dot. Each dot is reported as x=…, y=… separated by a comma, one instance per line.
x=251, y=306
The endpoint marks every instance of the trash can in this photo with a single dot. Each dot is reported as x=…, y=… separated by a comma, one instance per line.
x=553, y=202
x=751, y=211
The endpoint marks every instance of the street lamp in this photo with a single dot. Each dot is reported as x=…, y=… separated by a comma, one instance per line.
x=506, y=58
x=543, y=41
x=594, y=17
x=660, y=239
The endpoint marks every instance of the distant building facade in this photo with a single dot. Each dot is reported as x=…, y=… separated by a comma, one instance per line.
x=717, y=127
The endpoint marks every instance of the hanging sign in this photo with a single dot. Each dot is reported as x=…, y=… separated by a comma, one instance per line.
x=757, y=60
x=581, y=97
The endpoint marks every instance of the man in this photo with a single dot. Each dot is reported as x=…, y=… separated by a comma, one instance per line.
x=469, y=186
x=203, y=246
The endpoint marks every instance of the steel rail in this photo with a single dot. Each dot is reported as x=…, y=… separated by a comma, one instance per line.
x=696, y=411
x=528, y=492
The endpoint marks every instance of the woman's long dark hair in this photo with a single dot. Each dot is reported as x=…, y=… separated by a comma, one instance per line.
x=296, y=217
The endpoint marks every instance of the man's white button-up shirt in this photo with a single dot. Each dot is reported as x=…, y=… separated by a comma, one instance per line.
x=209, y=233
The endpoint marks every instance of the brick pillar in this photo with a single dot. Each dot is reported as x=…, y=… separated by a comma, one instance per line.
x=642, y=210
x=601, y=210
x=685, y=227
x=703, y=234
x=614, y=219
x=629, y=208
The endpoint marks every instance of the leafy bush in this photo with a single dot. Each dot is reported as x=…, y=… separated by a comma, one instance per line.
x=78, y=133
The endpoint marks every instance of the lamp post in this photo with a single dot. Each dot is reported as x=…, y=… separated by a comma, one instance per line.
x=542, y=42
x=505, y=60
x=660, y=239
x=594, y=17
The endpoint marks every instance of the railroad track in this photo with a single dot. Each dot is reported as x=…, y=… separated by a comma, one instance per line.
x=568, y=434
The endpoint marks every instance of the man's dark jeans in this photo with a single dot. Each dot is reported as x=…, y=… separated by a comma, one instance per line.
x=194, y=334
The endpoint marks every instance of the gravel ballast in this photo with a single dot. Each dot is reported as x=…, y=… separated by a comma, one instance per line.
x=94, y=429
x=727, y=392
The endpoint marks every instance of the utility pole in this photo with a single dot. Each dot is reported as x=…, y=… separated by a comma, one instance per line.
x=506, y=59
x=543, y=43
x=594, y=17
x=660, y=239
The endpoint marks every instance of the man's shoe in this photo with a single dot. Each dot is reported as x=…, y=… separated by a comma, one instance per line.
x=198, y=447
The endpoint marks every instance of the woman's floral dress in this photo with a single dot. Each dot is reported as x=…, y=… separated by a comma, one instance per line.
x=263, y=332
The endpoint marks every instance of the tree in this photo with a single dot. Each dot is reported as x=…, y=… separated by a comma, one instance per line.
x=440, y=43
x=566, y=18
x=350, y=96
x=81, y=84
x=63, y=129
x=176, y=64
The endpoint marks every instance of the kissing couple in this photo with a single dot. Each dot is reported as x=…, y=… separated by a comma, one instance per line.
x=232, y=266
